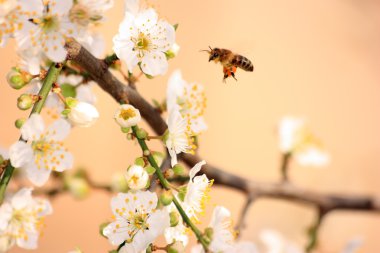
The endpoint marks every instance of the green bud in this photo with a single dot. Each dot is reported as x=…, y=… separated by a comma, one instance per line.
x=140, y=161
x=150, y=169
x=141, y=133
x=119, y=183
x=166, y=198
x=182, y=192
x=146, y=152
x=78, y=186
x=25, y=101
x=175, y=247
x=174, y=218
x=125, y=129
x=68, y=90
x=19, y=123
x=18, y=79
x=178, y=170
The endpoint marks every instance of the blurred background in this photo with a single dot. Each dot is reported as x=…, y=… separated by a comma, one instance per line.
x=315, y=59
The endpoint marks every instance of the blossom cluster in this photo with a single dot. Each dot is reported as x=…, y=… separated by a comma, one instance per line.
x=145, y=42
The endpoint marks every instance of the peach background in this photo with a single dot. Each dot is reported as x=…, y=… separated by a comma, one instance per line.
x=317, y=59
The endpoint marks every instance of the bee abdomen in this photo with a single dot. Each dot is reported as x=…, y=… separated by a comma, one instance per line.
x=242, y=62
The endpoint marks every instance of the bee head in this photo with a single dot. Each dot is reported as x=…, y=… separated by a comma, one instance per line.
x=214, y=54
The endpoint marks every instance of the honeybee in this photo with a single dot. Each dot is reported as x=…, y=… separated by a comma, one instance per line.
x=230, y=61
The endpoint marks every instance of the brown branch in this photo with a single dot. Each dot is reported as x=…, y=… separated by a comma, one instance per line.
x=99, y=72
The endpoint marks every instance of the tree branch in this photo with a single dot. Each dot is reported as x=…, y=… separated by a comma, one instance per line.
x=99, y=72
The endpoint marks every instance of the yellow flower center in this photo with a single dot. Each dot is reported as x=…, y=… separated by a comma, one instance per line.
x=127, y=113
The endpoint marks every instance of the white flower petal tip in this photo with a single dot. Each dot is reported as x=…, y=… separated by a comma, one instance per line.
x=127, y=115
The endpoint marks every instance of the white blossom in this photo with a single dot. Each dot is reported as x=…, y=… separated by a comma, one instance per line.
x=190, y=98
x=45, y=27
x=44, y=151
x=82, y=114
x=296, y=138
x=85, y=12
x=197, y=192
x=137, y=221
x=137, y=177
x=127, y=115
x=178, y=137
x=276, y=243
x=9, y=20
x=194, y=203
x=143, y=39
x=21, y=218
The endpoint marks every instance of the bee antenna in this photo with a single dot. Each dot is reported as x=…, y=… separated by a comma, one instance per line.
x=208, y=51
x=210, y=47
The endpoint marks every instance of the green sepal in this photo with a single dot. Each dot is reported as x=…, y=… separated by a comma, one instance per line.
x=71, y=102
x=150, y=170
x=182, y=192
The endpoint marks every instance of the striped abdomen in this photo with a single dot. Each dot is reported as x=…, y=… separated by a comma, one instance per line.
x=242, y=62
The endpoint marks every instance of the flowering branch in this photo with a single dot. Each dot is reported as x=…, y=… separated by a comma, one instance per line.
x=98, y=71
x=166, y=185
x=47, y=84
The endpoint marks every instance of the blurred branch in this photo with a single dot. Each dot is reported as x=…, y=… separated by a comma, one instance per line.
x=99, y=72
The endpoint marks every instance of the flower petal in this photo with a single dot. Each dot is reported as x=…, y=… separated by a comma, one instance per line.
x=58, y=130
x=37, y=176
x=33, y=127
x=22, y=198
x=154, y=63
x=20, y=154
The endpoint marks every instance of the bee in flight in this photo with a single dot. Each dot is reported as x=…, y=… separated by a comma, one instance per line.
x=230, y=61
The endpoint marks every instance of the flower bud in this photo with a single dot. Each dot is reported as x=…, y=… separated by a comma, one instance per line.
x=140, y=161
x=81, y=114
x=174, y=218
x=25, y=101
x=173, y=51
x=166, y=198
x=18, y=79
x=141, y=133
x=118, y=183
x=19, y=123
x=78, y=187
x=127, y=116
x=137, y=178
x=169, y=173
x=175, y=247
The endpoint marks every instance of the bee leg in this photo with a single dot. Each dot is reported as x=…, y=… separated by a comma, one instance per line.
x=233, y=75
x=225, y=77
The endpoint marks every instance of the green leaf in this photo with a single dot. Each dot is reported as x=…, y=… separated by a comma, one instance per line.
x=182, y=192
x=65, y=112
x=71, y=102
x=68, y=90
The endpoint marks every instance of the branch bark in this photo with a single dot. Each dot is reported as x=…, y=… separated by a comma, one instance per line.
x=98, y=71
